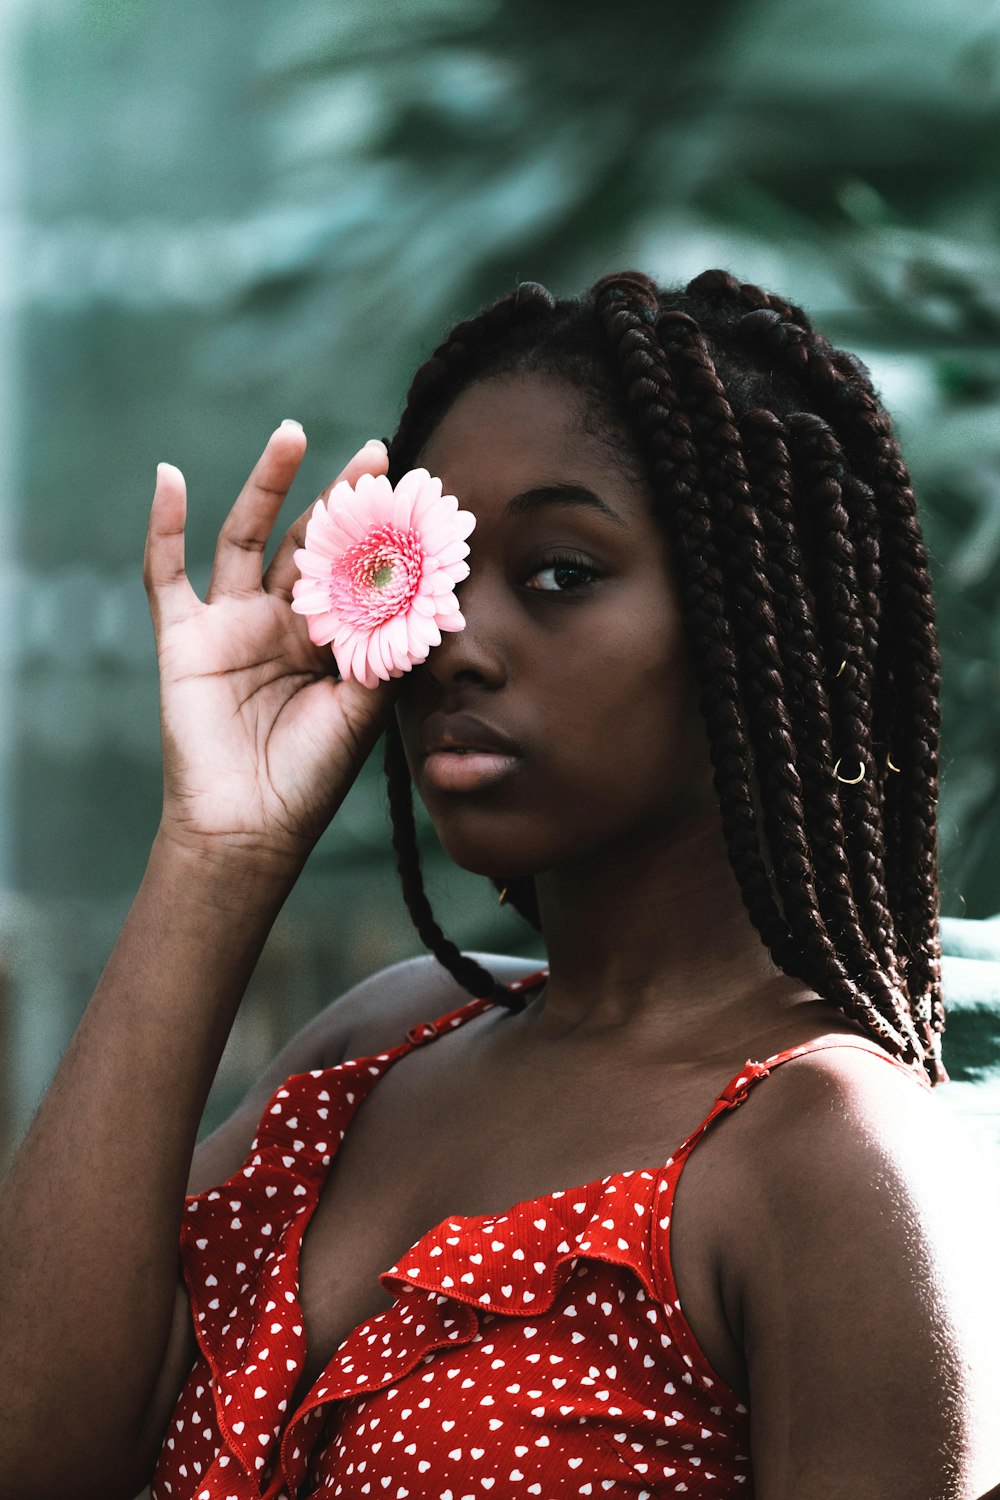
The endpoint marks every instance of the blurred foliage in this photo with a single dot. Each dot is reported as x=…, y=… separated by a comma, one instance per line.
x=239, y=211
x=971, y=1048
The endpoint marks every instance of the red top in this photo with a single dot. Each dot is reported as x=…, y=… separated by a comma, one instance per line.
x=540, y=1352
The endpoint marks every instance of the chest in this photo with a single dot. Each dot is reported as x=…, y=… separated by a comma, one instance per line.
x=441, y=1136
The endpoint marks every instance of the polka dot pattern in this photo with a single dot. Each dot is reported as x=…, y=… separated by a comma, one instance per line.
x=540, y=1352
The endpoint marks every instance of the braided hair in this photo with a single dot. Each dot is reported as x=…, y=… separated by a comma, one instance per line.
x=806, y=594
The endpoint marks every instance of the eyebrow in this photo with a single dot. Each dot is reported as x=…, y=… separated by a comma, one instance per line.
x=575, y=495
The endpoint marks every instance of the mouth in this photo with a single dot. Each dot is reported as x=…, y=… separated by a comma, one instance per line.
x=462, y=753
x=462, y=769
x=461, y=733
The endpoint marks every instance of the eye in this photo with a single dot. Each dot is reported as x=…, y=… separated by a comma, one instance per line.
x=561, y=565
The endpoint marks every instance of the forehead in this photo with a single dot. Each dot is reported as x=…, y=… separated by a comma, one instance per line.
x=506, y=434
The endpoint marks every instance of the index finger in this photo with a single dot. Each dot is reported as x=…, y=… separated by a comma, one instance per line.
x=373, y=458
x=236, y=568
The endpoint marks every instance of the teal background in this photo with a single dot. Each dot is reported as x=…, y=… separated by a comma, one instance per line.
x=218, y=215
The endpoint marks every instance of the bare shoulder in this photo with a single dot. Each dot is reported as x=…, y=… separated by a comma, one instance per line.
x=856, y=1101
x=864, y=1271
x=366, y=1019
x=843, y=1125
x=377, y=1014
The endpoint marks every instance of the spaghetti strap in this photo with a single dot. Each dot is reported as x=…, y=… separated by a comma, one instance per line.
x=752, y=1072
x=738, y=1088
x=867, y=1044
x=426, y=1031
x=547, y=1282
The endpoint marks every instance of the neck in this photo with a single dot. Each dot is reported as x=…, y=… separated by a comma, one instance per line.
x=653, y=944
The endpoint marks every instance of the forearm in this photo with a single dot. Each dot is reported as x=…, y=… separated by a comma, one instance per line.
x=91, y=1209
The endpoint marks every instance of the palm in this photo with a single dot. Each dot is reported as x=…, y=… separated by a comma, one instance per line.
x=261, y=742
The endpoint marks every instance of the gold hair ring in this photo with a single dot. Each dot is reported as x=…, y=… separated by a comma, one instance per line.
x=889, y=765
x=843, y=664
x=850, y=779
x=503, y=896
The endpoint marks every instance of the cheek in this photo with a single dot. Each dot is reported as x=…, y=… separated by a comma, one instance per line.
x=631, y=724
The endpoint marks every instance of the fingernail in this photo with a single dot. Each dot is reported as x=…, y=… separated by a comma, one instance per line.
x=376, y=443
x=291, y=422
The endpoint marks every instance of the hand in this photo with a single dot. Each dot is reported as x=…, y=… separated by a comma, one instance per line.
x=261, y=740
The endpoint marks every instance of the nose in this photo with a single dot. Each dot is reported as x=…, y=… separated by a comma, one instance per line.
x=474, y=653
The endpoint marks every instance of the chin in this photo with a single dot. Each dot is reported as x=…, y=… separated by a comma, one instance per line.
x=508, y=856
x=491, y=862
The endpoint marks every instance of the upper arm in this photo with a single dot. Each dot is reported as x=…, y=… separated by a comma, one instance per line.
x=871, y=1306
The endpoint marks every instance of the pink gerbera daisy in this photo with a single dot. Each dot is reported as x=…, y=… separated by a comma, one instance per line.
x=379, y=570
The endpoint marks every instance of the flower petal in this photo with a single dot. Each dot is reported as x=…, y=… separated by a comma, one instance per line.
x=309, y=598
x=423, y=604
x=358, y=649
x=312, y=564
x=374, y=494
x=348, y=514
x=322, y=629
x=378, y=572
x=452, y=552
x=379, y=660
x=416, y=483
x=395, y=631
x=422, y=633
x=435, y=517
x=342, y=655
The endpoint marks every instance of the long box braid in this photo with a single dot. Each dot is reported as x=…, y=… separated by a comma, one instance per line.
x=807, y=602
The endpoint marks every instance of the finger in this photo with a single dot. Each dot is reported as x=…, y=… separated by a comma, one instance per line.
x=373, y=458
x=365, y=711
x=236, y=569
x=345, y=708
x=171, y=596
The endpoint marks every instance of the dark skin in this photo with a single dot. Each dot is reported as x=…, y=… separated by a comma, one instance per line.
x=613, y=810
x=825, y=1234
x=638, y=899
x=660, y=987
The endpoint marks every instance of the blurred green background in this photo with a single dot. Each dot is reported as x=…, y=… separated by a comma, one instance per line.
x=218, y=215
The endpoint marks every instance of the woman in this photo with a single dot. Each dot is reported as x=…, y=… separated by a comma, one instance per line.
x=699, y=646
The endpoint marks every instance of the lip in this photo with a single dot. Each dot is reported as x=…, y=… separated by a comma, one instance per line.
x=490, y=756
x=449, y=771
x=442, y=732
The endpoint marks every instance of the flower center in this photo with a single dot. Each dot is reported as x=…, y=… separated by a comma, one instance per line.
x=377, y=577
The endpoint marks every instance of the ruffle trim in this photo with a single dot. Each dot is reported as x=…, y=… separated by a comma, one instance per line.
x=250, y=1328
x=246, y=1313
x=514, y=1265
x=247, y=1316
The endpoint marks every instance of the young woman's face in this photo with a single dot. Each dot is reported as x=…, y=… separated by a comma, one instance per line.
x=582, y=663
